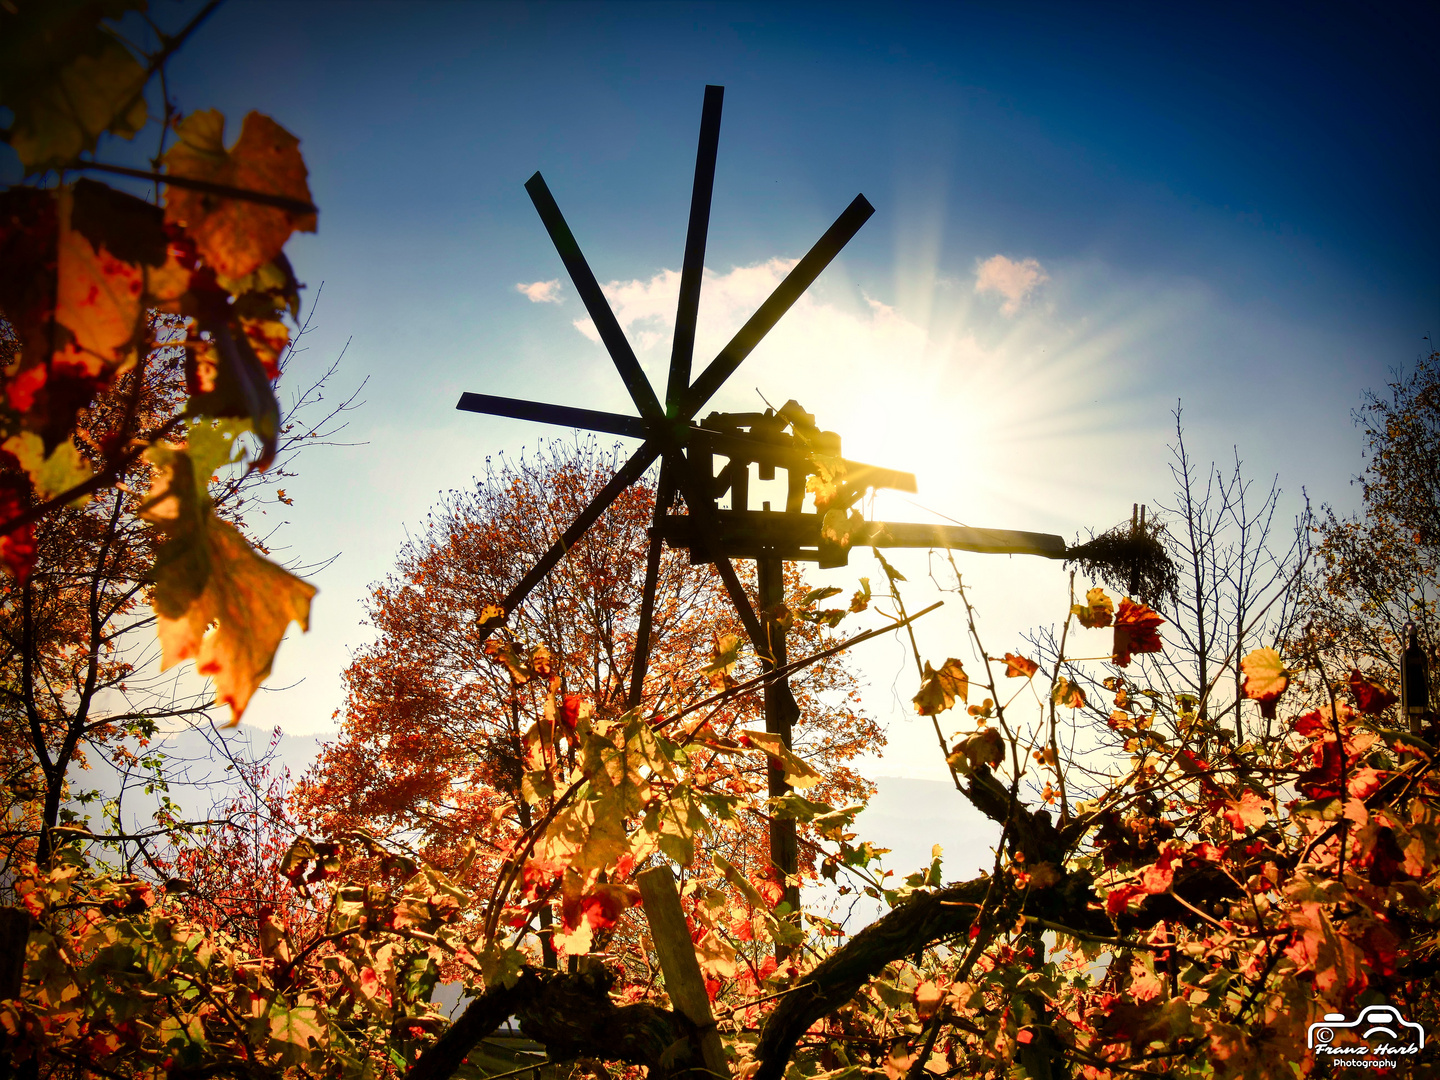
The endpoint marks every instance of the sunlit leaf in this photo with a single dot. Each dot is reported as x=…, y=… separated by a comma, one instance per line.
x=940, y=689
x=62, y=470
x=1136, y=631
x=1018, y=667
x=1067, y=694
x=1097, y=611
x=98, y=300
x=235, y=236
x=1265, y=679
x=798, y=774
x=216, y=601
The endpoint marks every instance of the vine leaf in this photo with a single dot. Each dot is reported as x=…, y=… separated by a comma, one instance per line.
x=233, y=236
x=1067, y=694
x=66, y=82
x=51, y=474
x=1018, y=667
x=1137, y=630
x=98, y=299
x=1097, y=611
x=1370, y=697
x=216, y=601
x=939, y=689
x=1266, y=678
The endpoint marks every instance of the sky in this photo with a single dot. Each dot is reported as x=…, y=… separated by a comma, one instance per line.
x=1085, y=214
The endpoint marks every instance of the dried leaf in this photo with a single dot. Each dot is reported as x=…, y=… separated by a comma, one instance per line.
x=1136, y=631
x=1097, y=611
x=940, y=689
x=1018, y=667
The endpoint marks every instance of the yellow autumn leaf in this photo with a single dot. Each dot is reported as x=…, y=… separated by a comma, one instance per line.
x=797, y=773
x=1266, y=678
x=216, y=600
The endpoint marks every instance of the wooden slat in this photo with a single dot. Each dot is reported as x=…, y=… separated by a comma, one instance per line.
x=797, y=536
x=683, y=981
x=560, y=415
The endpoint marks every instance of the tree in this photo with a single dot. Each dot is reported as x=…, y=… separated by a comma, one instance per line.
x=437, y=732
x=1380, y=569
x=80, y=680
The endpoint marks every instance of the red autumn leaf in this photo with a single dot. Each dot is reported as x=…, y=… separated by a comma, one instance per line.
x=602, y=907
x=1118, y=899
x=1018, y=667
x=1322, y=780
x=1137, y=630
x=1312, y=724
x=1248, y=811
x=770, y=883
x=1370, y=697
x=17, y=547
x=570, y=711
x=1365, y=782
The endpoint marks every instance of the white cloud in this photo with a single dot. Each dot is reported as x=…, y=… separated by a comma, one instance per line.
x=541, y=292
x=1012, y=280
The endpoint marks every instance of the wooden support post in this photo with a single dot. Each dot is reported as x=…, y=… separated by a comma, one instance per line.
x=780, y=716
x=683, y=981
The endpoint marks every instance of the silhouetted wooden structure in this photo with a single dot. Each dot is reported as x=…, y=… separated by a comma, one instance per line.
x=710, y=461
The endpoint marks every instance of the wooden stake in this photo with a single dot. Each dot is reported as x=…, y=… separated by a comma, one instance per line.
x=683, y=981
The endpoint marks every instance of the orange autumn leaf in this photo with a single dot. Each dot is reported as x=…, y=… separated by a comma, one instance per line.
x=1018, y=667
x=97, y=299
x=1265, y=679
x=940, y=688
x=1136, y=631
x=237, y=237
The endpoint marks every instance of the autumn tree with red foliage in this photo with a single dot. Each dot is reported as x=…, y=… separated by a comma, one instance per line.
x=437, y=729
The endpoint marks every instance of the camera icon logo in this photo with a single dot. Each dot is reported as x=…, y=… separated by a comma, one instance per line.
x=1372, y=1021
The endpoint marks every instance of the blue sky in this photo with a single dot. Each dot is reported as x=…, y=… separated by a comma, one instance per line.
x=1227, y=207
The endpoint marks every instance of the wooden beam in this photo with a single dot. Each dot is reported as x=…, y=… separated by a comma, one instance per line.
x=683, y=981
x=560, y=415
x=747, y=534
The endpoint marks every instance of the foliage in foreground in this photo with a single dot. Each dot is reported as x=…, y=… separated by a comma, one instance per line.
x=1189, y=914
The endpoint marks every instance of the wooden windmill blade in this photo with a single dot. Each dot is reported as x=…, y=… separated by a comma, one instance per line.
x=662, y=440
x=677, y=384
